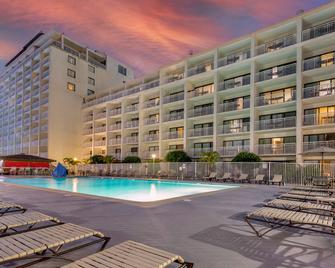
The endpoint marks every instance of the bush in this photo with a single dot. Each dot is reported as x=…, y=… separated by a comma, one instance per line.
x=132, y=159
x=177, y=156
x=97, y=159
x=246, y=157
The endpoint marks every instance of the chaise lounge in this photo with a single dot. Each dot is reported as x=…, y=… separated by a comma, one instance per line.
x=277, y=179
x=6, y=207
x=212, y=176
x=226, y=176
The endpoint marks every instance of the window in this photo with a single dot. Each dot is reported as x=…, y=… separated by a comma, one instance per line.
x=91, y=81
x=90, y=92
x=71, y=60
x=71, y=73
x=153, y=148
x=203, y=90
x=91, y=69
x=71, y=87
x=122, y=70
x=176, y=147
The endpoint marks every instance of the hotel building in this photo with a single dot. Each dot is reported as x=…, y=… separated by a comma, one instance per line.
x=41, y=92
x=271, y=92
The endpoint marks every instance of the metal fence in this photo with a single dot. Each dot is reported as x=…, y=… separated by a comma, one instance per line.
x=292, y=173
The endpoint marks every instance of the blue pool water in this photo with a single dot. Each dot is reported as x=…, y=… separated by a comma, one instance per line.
x=126, y=189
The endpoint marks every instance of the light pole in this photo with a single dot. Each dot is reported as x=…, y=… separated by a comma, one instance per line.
x=153, y=156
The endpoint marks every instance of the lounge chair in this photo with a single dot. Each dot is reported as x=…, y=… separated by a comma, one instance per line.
x=300, y=206
x=312, y=198
x=300, y=192
x=259, y=179
x=277, y=179
x=6, y=207
x=47, y=242
x=130, y=254
x=242, y=178
x=225, y=177
x=212, y=176
x=10, y=223
x=276, y=218
x=311, y=188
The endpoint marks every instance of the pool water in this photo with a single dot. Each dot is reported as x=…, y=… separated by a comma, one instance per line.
x=121, y=188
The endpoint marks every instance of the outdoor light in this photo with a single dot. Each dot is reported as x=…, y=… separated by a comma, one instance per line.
x=153, y=156
x=75, y=159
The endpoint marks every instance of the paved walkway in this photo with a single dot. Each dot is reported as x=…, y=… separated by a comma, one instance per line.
x=207, y=230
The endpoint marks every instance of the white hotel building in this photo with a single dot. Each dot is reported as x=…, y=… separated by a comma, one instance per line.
x=271, y=92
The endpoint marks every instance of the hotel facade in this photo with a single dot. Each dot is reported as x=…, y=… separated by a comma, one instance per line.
x=271, y=92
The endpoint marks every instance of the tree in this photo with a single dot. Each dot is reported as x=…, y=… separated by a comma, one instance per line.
x=246, y=157
x=109, y=159
x=177, y=156
x=97, y=159
x=132, y=159
x=211, y=158
x=69, y=161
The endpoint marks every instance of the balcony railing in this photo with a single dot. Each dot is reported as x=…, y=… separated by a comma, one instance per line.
x=114, y=112
x=131, y=124
x=319, y=119
x=114, y=141
x=263, y=101
x=317, y=62
x=279, y=72
x=151, y=103
x=234, y=83
x=196, y=93
x=100, y=129
x=197, y=132
x=173, y=98
x=277, y=149
x=197, y=152
x=240, y=128
x=285, y=122
x=151, y=137
x=88, y=118
x=173, y=117
x=87, y=131
x=234, y=106
x=318, y=144
x=87, y=144
x=100, y=143
x=319, y=30
x=318, y=91
x=201, y=68
x=131, y=154
x=233, y=58
x=201, y=111
x=130, y=140
x=150, y=84
x=151, y=121
x=131, y=108
x=276, y=44
x=233, y=150
x=100, y=115
x=174, y=135
x=173, y=77
x=114, y=127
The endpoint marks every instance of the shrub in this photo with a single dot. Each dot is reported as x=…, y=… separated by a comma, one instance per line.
x=97, y=159
x=132, y=159
x=246, y=157
x=210, y=157
x=177, y=156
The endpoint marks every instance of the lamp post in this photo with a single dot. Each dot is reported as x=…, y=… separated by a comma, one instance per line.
x=153, y=156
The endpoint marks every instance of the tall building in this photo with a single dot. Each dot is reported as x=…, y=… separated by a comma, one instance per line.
x=41, y=92
x=271, y=92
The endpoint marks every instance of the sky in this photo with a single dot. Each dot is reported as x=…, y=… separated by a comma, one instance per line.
x=144, y=34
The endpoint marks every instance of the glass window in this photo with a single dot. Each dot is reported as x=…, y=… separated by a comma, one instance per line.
x=91, y=81
x=71, y=60
x=90, y=92
x=71, y=87
x=122, y=70
x=71, y=73
x=91, y=69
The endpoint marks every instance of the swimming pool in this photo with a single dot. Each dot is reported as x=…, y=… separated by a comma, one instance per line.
x=121, y=188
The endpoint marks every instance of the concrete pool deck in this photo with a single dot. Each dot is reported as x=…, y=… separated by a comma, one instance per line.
x=207, y=230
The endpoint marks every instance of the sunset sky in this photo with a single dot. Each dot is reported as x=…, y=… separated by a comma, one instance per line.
x=144, y=34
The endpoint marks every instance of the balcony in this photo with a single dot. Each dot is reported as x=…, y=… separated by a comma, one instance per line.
x=318, y=91
x=100, y=115
x=233, y=58
x=173, y=77
x=131, y=124
x=201, y=111
x=264, y=101
x=131, y=108
x=151, y=121
x=276, y=44
x=174, y=135
x=151, y=137
x=231, y=151
x=151, y=103
x=201, y=68
x=88, y=118
x=198, y=132
x=115, y=112
x=114, y=141
x=130, y=140
x=319, y=119
x=196, y=93
x=173, y=98
x=234, y=106
x=197, y=152
x=317, y=62
x=100, y=143
x=276, y=72
x=277, y=149
x=318, y=144
x=319, y=30
x=285, y=122
x=150, y=84
x=234, y=82
x=87, y=144
x=114, y=127
x=100, y=129
x=173, y=117
x=235, y=129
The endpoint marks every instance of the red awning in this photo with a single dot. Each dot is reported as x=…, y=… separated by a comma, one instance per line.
x=22, y=164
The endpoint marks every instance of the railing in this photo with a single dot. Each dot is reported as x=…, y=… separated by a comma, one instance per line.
x=319, y=119
x=197, y=152
x=276, y=44
x=280, y=72
x=100, y=129
x=100, y=143
x=285, y=122
x=131, y=124
x=130, y=140
x=151, y=103
x=115, y=112
x=234, y=106
x=44, y=101
x=150, y=84
x=263, y=101
x=196, y=132
x=173, y=77
x=151, y=137
x=173, y=98
x=173, y=117
x=131, y=154
x=131, y=108
x=318, y=144
x=173, y=135
x=318, y=91
x=277, y=149
x=100, y=115
x=319, y=30
x=233, y=58
x=240, y=128
x=151, y=121
x=88, y=118
x=201, y=68
x=233, y=150
x=114, y=127
x=196, y=93
x=201, y=111
x=87, y=144
x=45, y=74
x=115, y=141
x=234, y=82
x=317, y=62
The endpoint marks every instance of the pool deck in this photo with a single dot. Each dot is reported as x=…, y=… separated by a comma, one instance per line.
x=207, y=230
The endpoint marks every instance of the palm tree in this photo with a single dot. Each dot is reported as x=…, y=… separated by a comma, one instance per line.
x=211, y=158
